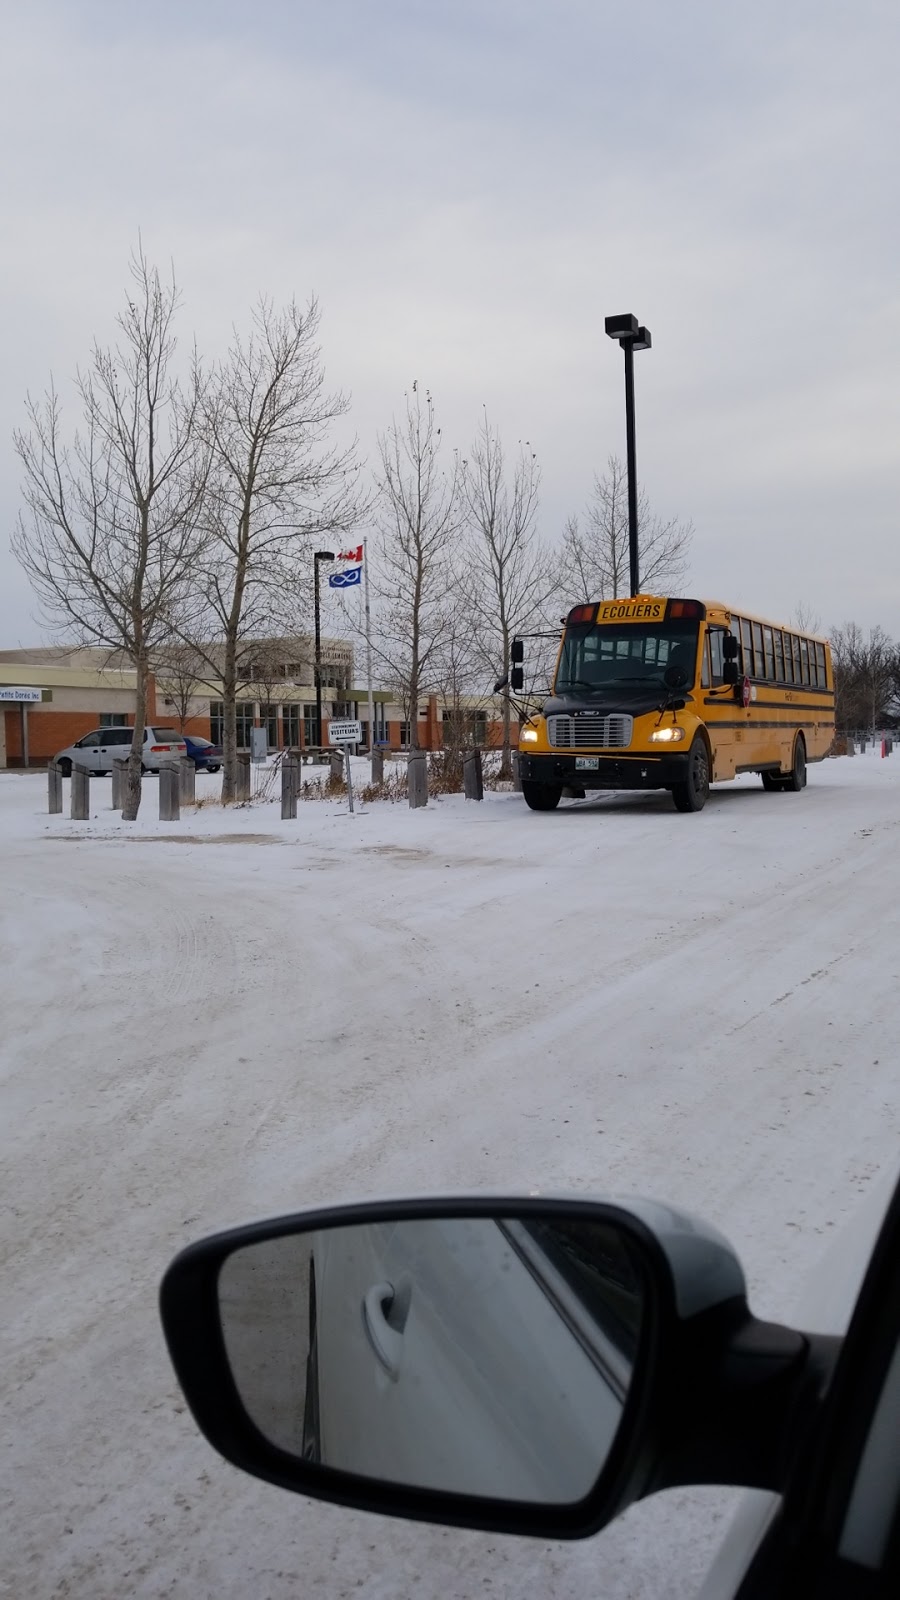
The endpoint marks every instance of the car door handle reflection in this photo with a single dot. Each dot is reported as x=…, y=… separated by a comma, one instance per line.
x=384, y=1311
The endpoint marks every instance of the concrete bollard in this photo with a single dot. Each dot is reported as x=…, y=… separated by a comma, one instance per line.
x=119, y=768
x=378, y=767
x=516, y=771
x=290, y=779
x=80, y=798
x=54, y=790
x=242, y=779
x=417, y=779
x=336, y=761
x=473, y=775
x=187, y=781
x=169, y=793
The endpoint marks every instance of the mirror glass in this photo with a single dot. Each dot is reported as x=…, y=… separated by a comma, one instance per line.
x=475, y=1355
x=675, y=678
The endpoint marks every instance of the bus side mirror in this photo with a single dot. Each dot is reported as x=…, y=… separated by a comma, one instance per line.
x=517, y=651
x=517, y=678
x=730, y=672
x=730, y=650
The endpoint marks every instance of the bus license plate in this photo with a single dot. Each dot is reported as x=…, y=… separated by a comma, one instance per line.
x=587, y=763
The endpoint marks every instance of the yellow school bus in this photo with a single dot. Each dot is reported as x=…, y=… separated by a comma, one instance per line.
x=655, y=693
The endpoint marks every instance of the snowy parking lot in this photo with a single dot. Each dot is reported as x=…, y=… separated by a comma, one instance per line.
x=231, y=1015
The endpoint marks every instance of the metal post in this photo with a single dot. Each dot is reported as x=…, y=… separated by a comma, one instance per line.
x=119, y=769
x=348, y=780
x=80, y=797
x=417, y=779
x=289, y=785
x=369, y=650
x=169, y=792
x=187, y=781
x=473, y=776
x=54, y=790
x=377, y=766
x=631, y=451
x=26, y=757
x=317, y=660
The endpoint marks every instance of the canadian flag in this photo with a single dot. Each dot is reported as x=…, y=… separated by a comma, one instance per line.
x=351, y=555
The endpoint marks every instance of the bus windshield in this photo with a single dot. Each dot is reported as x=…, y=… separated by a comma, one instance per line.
x=625, y=655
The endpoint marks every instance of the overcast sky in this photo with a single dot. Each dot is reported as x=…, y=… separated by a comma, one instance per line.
x=469, y=189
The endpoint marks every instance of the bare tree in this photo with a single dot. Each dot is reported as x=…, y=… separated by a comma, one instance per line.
x=865, y=676
x=510, y=581
x=180, y=672
x=805, y=619
x=112, y=534
x=417, y=521
x=595, y=558
x=276, y=486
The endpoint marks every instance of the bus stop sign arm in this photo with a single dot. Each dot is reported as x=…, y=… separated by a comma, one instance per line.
x=631, y=337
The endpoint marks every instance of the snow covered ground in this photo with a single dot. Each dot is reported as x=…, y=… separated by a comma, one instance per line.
x=229, y=1016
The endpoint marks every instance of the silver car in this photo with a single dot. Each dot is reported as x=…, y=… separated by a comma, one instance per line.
x=98, y=750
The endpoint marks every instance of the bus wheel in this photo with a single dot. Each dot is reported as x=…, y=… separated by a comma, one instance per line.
x=693, y=794
x=540, y=796
x=796, y=778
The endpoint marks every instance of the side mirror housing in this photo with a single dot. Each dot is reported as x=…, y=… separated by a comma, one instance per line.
x=517, y=651
x=730, y=673
x=524, y=1365
x=517, y=678
x=730, y=647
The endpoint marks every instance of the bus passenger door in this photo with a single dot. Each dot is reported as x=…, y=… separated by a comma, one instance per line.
x=720, y=710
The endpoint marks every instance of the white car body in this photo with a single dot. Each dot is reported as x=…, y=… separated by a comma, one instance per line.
x=97, y=750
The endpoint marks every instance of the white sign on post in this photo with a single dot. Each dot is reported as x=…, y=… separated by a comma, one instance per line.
x=21, y=697
x=342, y=731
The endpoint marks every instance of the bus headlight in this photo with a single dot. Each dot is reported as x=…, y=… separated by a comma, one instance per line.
x=529, y=736
x=666, y=735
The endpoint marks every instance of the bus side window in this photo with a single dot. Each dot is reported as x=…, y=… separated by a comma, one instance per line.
x=770, y=654
x=821, y=673
x=804, y=660
x=746, y=648
x=759, y=670
x=795, y=649
x=779, y=656
x=714, y=637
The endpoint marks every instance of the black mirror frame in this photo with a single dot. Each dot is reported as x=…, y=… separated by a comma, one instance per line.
x=189, y=1308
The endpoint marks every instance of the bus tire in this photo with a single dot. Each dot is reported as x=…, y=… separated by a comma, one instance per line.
x=693, y=794
x=540, y=796
x=796, y=778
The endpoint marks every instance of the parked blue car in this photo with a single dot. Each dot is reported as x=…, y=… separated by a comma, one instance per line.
x=206, y=756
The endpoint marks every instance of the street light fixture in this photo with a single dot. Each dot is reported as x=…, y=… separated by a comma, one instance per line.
x=631, y=337
x=320, y=555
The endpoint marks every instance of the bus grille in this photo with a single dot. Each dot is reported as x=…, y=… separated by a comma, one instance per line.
x=590, y=732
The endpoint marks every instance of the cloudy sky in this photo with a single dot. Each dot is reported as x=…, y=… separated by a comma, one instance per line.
x=469, y=189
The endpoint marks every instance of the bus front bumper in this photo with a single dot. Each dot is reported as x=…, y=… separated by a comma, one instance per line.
x=611, y=772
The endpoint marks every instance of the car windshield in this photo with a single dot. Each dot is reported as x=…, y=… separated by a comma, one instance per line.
x=202, y=744
x=628, y=654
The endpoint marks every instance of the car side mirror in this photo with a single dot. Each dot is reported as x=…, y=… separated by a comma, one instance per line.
x=521, y=1365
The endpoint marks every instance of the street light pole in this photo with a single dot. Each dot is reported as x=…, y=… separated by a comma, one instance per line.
x=631, y=338
x=320, y=555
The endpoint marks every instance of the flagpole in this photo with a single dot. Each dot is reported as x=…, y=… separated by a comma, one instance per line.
x=369, y=651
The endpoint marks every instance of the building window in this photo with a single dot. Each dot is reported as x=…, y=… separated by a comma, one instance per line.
x=309, y=726
x=479, y=728
x=268, y=719
x=244, y=710
x=113, y=719
x=404, y=735
x=216, y=721
x=290, y=721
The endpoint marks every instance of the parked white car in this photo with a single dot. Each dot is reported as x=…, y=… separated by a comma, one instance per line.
x=98, y=750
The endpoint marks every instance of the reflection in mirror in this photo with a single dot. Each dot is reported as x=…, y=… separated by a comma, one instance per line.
x=468, y=1354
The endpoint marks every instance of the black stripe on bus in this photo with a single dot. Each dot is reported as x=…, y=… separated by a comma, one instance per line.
x=792, y=724
x=773, y=705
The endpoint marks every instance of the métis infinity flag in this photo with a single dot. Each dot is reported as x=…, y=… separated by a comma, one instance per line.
x=345, y=580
